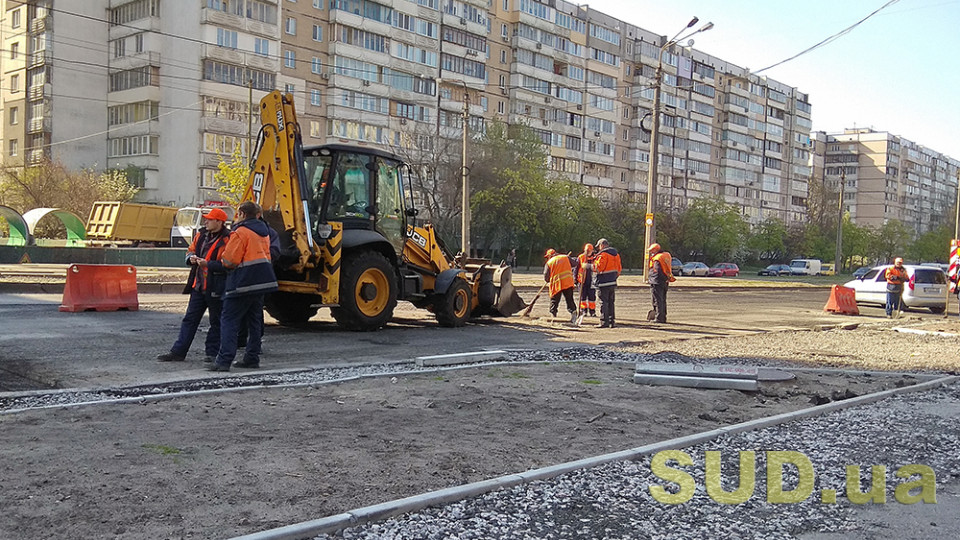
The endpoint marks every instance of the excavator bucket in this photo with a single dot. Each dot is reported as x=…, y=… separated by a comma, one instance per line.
x=508, y=301
x=495, y=292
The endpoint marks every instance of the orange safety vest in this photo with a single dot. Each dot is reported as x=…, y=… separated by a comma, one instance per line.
x=585, y=273
x=666, y=264
x=561, y=274
x=895, y=276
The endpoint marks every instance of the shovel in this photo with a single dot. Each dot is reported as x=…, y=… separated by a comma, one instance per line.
x=526, y=312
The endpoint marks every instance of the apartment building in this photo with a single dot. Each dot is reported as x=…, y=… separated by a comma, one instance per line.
x=179, y=82
x=887, y=177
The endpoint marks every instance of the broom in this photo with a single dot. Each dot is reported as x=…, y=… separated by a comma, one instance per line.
x=526, y=312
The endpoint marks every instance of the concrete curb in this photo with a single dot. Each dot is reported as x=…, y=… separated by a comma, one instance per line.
x=444, y=496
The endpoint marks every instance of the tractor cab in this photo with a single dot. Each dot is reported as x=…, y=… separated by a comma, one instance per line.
x=359, y=187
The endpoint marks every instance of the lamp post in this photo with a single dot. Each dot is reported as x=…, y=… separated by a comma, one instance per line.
x=465, y=178
x=838, y=255
x=650, y=230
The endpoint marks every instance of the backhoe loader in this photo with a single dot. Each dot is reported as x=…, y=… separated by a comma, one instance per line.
x=349, y=237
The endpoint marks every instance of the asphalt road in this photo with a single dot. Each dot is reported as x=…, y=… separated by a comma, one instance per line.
x=42, y=347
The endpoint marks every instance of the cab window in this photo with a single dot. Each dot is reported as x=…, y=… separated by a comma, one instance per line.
x=350, y=196
x=390, y=203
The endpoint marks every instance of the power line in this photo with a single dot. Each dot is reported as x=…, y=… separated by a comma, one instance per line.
x=832, y=38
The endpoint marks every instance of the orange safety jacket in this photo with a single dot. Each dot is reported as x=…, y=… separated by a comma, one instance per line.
x=608, y=267
x=206, y=279
x=585, y=272
x=664, y=261
x=560, y=272
x=248, y=257
x=895, y=276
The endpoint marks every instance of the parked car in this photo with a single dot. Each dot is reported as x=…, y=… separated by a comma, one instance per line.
x=828, y=269
x=925, y=288
x=724, y=270
x=775, y=270
x=676, y=266
x=695, y=269
x=860, y=272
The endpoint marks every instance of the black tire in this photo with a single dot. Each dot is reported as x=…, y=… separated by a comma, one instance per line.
x=453, y=308
x=937, y=310
x=368, y=292
x=291, y=308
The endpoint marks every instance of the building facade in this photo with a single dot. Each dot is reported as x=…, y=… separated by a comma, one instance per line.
x=172, y=87
x=887, y=177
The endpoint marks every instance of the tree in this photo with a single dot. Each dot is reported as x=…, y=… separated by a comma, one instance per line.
x=767, y=239
x=714, y=229
x=232, y=177
x=890, y=241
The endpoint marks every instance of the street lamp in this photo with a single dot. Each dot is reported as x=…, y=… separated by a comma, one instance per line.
x=650, y=230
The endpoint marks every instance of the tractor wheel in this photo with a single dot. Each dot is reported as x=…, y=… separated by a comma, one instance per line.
x=291, y=308
x=368, y=292
x=453, y=308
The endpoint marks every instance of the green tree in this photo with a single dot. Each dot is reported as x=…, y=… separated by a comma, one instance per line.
x=768, y=240
x=889, y=241
x=714, y=229
x=232, y=177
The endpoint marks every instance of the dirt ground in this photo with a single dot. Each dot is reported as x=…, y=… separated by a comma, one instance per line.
x=222, y=465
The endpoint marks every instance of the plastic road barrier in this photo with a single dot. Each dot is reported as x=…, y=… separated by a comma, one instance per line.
x=842, y=300
x=100, y=287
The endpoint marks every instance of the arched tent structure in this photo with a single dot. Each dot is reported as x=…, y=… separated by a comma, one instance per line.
x=20, y=233
x=76, y=230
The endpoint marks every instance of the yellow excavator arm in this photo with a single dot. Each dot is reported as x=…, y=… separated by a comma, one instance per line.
x=276, y=179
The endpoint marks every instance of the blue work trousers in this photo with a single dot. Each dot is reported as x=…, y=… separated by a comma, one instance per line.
x=198, y=304
x=893, y=301
x=237, y=311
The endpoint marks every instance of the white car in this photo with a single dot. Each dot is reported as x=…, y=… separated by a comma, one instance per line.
x=926, y=287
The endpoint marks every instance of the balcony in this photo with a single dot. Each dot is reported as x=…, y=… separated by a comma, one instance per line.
x=39, y=57
x=41, y=25
x=43, y=123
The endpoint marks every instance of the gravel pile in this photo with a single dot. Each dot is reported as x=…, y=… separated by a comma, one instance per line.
x=614, y=501
x=34, y=400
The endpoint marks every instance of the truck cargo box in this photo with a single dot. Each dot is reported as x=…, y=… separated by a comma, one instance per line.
x=130, y=222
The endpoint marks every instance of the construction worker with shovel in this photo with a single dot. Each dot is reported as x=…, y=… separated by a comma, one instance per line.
x=588, y=295
x=896, y=276
x=558, y=272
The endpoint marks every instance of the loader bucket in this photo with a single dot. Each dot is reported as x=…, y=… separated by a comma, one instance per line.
x=497, y=295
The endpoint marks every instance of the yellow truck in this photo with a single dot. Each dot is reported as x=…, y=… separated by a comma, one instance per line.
x=112, y=222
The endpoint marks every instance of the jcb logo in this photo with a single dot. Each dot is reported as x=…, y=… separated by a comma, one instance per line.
x=257, y=186
x=418, y=239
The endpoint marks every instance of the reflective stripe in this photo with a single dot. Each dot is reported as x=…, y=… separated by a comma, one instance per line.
x=253, y=262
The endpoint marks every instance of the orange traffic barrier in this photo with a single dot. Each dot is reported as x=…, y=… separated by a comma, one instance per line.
x=100, y=287
x=842, y=300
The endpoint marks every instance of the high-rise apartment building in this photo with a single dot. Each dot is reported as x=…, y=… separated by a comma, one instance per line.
x=171, y=90
x=887, y=177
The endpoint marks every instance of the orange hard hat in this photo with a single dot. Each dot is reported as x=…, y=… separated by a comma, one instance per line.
x=587, y=248
x=215, y=213
x=550, y=253
x=654, y=247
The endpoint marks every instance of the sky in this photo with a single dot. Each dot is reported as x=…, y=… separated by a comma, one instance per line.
x=898, y=71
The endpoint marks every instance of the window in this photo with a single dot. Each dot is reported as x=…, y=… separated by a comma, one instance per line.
x=291, y=26
x=14, y=147
x=133, y=112
x=315, y=97
x=289, y=59
x=315, y=65
x=289, y=88
x=238, y=75
x=317, y=32
x=227, y=38
x=134, y=78
x=137, y=145
x=138, y=42
x=318, y=4
x=15, y=19
x=14, y=116
x=261, y=46
x=14, y=83
x=14, y=50
x=141, y=9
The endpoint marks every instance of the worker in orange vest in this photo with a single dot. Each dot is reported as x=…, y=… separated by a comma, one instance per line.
x=588, y=295
x=558, y=272
x=659, y=277
x=896, y=276
x=607, y=266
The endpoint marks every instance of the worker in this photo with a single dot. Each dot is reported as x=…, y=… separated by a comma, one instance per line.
x=559, y=274
x=659, y=277
x=250, y=277
x=896, y=276
x=588, y=295
x=205, y=287
x=607, y=266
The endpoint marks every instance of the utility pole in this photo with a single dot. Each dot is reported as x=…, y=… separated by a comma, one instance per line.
x=839, y=253
x=249, y=118
x=956, y=227
x=465, y=176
